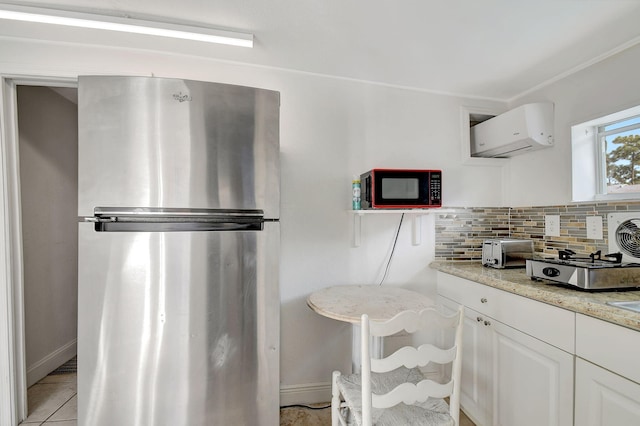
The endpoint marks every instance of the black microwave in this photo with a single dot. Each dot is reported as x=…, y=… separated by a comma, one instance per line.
x=401, y=189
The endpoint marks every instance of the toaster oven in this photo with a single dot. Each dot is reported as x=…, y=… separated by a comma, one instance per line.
x=506, y=253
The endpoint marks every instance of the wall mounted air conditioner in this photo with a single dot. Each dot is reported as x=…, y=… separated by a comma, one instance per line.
x=526, y=128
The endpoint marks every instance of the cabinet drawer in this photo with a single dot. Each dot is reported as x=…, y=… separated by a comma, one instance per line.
x=551, y=324
x=608, y=345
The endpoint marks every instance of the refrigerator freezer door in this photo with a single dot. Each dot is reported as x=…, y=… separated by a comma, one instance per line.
x=155, y=142
x=178, y=328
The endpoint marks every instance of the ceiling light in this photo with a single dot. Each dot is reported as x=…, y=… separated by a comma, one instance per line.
x=128, y=25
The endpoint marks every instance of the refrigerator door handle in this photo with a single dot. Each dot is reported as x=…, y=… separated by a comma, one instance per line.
x=151, y=213
x=175, y=223
x=95, y=219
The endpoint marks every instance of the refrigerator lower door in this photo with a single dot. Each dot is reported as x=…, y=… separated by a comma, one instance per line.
x=178, y=328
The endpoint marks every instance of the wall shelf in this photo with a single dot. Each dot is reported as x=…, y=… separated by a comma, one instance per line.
x=416, y=221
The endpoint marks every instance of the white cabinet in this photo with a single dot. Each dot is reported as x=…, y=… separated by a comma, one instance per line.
x=511, y=374
x=474, y=396
x=532, y=381
x=604, y=398
x=548, y=323
x=607, y=374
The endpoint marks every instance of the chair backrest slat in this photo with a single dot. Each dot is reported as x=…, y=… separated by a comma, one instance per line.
x=410, y=393
x=412, y=357
x=411, y=321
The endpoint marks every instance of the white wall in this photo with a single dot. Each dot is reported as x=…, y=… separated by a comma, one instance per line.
x=330, y=130
x=48, y=129
x=544, y=177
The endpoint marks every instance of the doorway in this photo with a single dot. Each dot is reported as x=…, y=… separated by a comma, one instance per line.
x=38, y=191
x=48, y=174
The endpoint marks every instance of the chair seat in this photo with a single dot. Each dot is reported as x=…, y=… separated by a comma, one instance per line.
x=433, y=411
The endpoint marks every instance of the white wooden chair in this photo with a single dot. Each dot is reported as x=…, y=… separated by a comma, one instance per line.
x=393, y=390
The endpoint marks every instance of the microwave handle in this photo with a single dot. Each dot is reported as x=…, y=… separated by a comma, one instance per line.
x=367, y=189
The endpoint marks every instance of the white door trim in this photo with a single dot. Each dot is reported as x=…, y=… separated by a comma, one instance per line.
x=13, y=404
x=10, y=402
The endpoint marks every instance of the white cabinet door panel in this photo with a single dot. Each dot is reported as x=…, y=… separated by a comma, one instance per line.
x=474, y=397
x=532, y=381
x=604, y=398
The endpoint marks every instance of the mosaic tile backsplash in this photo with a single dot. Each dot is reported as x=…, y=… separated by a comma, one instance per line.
x=459, y=234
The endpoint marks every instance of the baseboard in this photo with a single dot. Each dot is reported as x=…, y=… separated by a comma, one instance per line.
x=308, y=393
x=50, y=362
x=314, y=393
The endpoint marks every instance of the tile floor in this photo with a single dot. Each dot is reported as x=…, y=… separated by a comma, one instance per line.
x=53, y=402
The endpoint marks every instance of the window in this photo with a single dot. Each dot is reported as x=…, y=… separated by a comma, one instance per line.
x=620, y=156
x=606, y=157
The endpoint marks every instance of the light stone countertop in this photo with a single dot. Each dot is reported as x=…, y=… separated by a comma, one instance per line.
x=516, y=281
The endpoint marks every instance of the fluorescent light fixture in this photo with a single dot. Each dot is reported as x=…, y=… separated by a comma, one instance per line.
x=127, y=25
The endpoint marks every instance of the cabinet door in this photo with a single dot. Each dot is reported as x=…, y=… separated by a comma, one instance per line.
x=474, y=394
x=604, y=398
x=532, y=381
x=476, y=368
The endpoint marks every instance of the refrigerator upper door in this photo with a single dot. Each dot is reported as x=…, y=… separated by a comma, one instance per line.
x=168, y=143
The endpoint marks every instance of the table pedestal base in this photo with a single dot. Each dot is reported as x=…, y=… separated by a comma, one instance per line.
x=376, y=348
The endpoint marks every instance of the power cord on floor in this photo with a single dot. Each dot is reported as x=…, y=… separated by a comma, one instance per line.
x=310, y=407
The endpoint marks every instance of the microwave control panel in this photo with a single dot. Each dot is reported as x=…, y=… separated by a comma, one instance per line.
x=435, y=188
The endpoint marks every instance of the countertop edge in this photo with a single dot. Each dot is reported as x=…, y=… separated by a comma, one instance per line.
x=515, y=281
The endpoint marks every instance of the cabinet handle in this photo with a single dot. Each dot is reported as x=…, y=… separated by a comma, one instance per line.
x=479, y=319
x=487, y=323
x=483, y=300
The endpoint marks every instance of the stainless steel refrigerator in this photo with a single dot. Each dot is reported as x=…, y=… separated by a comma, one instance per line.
x=178, y=319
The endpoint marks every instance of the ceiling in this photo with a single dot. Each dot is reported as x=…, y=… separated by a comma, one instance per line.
x=493, y=49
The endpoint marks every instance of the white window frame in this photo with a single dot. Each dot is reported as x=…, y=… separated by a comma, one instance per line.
x=601, y=135
x=589, y=159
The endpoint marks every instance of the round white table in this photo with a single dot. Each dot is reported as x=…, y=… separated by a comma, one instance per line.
x=348, y=302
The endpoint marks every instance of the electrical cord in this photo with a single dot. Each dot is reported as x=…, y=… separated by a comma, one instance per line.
x=306, y=406
x=393, y=249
